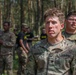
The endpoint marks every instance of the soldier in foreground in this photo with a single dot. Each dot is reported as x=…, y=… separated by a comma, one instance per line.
x=54, y=55
x=70, y=30
x=7, y=41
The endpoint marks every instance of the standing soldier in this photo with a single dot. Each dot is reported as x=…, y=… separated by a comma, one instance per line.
x=43, y=34
x=70, y=30
x=54, y=55
x=22, y=50
x=7, y=42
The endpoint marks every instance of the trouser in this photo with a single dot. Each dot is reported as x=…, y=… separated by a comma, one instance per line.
x=6, y=62
x=22, y=61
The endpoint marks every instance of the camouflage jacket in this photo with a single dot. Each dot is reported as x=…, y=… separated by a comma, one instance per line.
x=69, y=36
x=47, y=59
x=8, y=39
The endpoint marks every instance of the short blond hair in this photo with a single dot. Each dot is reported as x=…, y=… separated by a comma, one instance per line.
x=55, y=12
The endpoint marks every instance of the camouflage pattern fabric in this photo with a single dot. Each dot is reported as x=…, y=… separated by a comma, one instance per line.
x=69, y=36
x=6, y=51
x=8, y=61
x=47, y=59
x=22, y=61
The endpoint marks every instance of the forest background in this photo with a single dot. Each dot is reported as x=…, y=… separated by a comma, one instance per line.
x=31, y=12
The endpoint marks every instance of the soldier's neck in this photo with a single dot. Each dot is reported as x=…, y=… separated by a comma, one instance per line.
x=54, y=41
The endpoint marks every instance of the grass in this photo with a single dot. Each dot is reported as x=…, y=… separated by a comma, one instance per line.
x=15, y=62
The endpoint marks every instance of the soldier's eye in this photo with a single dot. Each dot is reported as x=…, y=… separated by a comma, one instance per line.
x=48, y=22
x=53, y=22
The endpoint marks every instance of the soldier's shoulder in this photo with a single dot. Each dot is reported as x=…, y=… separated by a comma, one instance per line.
x=69, y=41
x=11, y=33
x=20, y=33
x=38, y=45
x=69, y=47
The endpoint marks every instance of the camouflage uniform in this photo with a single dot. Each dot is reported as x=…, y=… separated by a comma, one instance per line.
x=6, y=58
x=69, y=36
x=22, y=61
x=47, y=59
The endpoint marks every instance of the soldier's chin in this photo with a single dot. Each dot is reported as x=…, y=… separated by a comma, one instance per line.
x=51, y=36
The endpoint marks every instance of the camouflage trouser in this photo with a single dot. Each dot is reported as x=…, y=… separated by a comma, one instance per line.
x=6, y=62
x=22, y=61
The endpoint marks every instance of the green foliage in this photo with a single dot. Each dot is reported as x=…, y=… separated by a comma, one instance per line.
x=15, y=67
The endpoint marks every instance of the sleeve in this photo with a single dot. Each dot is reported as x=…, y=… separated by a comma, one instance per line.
x=20, y=36
x=73, y=65
x=11, y=42
x=31, y=65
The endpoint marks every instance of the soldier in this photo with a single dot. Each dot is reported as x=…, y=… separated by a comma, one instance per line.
x=22, y=50
x=70, y=30
x=7, y=42
x=43, y=34
x=54, y=55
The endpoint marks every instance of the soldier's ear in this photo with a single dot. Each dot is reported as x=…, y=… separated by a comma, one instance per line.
x=65, y=21
x=62, y=26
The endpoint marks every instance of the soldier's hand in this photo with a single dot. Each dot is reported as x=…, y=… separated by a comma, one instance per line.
x=26, y=51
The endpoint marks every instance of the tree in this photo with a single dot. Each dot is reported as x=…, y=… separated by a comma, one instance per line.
x=31, y=11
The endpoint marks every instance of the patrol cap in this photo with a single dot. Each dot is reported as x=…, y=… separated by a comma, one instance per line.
x=24, y=25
